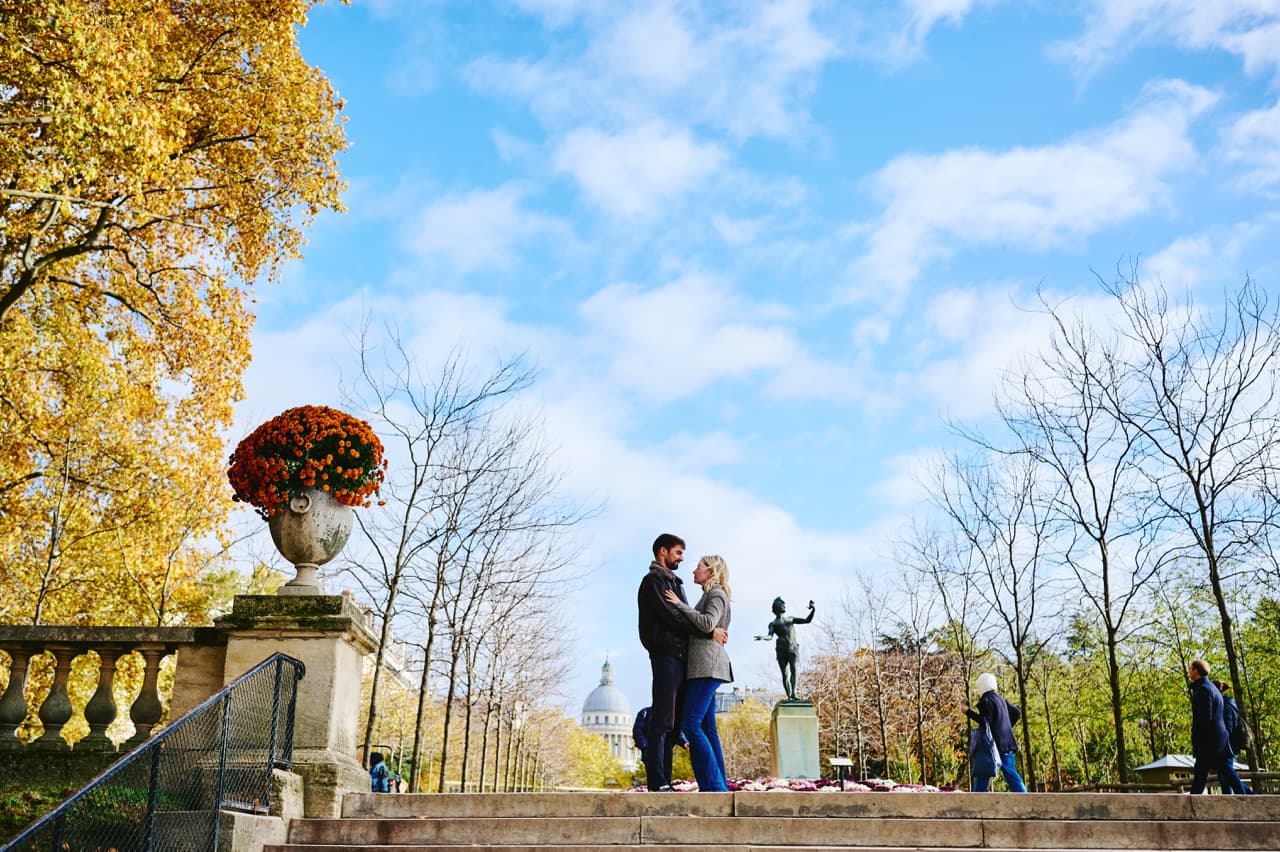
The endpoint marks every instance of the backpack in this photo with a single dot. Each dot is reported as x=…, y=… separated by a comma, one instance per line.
x=1237, y=730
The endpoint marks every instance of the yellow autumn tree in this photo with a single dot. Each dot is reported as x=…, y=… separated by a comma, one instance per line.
x=157, y=159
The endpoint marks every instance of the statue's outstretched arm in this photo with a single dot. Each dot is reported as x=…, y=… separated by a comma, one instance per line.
x=807, y=619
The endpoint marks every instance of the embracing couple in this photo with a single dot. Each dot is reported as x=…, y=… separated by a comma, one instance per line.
x=689, y=662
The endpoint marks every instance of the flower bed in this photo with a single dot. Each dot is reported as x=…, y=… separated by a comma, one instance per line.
x=804, y=785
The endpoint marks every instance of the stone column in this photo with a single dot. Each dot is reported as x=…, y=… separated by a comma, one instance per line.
x=13, y=704
x=56, y=708
x=100, y=712
x=329, y=635
x=793, y=729
x=146, y=709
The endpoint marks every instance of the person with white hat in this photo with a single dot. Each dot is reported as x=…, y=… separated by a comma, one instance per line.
x=1000, y=717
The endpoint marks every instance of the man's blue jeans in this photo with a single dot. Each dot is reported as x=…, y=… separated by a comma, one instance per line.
x=1009, y=768
x=704, y=741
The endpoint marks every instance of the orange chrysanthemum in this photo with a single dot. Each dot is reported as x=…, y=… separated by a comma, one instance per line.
x=301, y=446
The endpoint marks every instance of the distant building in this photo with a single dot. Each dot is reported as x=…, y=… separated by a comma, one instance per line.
x=608, y=713
x=726, y=701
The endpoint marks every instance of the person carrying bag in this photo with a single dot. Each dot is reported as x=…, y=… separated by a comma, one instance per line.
x=997, y=716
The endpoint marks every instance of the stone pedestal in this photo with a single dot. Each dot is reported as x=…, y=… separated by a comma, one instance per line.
x=329, y=635
x=793, y=730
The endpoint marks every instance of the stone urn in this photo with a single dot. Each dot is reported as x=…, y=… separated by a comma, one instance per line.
x=311, y=531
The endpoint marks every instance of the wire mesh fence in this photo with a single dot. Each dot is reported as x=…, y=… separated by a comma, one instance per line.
x=167, y=794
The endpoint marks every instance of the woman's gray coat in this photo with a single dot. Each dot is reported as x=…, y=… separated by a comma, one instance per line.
x=707, y=657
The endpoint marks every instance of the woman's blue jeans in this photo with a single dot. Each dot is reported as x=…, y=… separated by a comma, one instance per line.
x=700, y=730
x=1009, y=767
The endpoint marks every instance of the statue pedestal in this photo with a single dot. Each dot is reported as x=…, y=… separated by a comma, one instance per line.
x=793, y=730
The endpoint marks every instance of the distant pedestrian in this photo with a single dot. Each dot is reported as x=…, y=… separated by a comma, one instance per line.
x=640, y=736
x=1233, y=721
x=1000, y=717
x=1210, y=744
x=379, y=775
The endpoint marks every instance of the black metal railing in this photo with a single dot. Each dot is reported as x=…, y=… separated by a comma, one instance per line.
x=167, y=795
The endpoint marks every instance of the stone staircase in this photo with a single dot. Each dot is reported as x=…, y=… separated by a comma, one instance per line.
x=790, y=822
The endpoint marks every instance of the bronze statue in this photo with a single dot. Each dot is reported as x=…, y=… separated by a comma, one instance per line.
x=784, y=627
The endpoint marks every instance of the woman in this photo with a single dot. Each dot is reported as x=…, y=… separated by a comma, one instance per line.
x=1000, y=716
x=708, y=667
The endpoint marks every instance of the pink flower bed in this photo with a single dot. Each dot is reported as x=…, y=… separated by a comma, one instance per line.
x=802, y=785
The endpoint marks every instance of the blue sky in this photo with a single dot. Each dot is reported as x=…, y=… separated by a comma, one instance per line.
x=761, y=251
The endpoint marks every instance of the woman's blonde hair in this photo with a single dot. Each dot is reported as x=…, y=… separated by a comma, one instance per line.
x=719, y=573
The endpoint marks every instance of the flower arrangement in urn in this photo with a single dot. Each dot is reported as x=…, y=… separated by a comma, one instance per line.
x=303, y=470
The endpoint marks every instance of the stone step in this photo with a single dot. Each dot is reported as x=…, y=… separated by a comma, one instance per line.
x=313, y=847
x=988, y=806
x=791, y=832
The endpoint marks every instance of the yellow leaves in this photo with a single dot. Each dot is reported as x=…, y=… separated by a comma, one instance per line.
x=170, y=154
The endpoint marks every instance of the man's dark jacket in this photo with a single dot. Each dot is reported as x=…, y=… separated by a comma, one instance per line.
x=1001, y=716
x=663, y=630
x=1208, y=732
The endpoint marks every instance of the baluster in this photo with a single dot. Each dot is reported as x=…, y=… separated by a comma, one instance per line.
x=100, y=712
x=56, y=708
x=13, y=704
x=146, y=708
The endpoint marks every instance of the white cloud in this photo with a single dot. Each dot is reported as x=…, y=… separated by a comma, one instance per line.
x=651, y=44
x=557, y=13
x=1182, y=263
x=921, y=17
x=954, y=314
x=906, y=476
x=1253, y=141
x=873, y=329
x=1026, y=198
x=979, y=335
x=1249, y=29
x=672, y=341
x=1211, y=257
x=735, y=230
x=678, y=340
x=474, y=230
x=637, y=172
x=704, y=451
x=745, y=70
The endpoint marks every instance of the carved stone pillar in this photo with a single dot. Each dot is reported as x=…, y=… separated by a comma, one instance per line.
x=146, y=709
x=13, y=704
x=100, y=712
x=55, y=710
x=329, y=635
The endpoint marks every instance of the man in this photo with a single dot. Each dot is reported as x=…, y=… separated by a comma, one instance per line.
x=1209, y=742
x=664, y=632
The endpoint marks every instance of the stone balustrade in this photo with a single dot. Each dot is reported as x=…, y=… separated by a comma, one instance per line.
x=328, y=634
x=109, y=644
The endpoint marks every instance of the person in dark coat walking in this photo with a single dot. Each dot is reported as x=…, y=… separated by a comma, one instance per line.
x=1210, y=744
x=1000, y=716
x=379, y=775
x=1231, y=720
x=640, y=732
